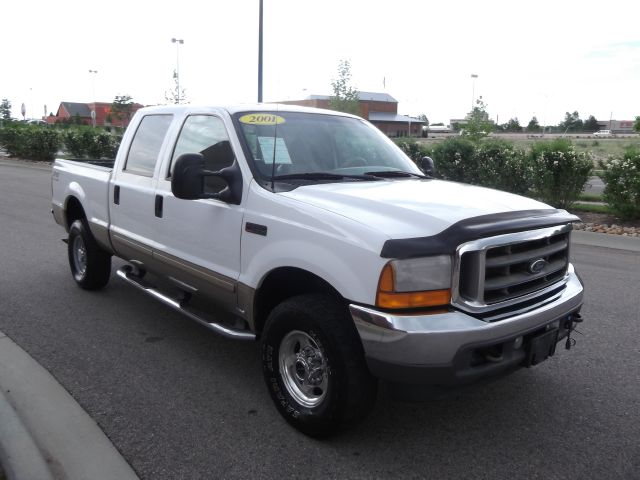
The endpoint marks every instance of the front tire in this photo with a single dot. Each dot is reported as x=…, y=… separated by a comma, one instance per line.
x=314, y=366
x=90, y=265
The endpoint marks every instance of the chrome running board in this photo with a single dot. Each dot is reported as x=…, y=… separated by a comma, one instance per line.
x=126, y=273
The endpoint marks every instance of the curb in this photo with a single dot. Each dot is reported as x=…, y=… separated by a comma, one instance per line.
x=19, y=455
x=44, y=432
x=606, y=240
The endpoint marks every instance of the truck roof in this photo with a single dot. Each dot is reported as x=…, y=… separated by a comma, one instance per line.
x=247, y=107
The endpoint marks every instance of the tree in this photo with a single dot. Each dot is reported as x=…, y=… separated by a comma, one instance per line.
x=636, y=126
x=477, y=123
x=513, y=125
x=176, y=95
x=121, y=108
x=591, y=125
x=345, y=97
x=425, y=125
x=5, y=109
x=534, y=126
x=572, y=123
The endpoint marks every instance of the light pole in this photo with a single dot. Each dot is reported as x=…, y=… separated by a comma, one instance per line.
x=93, y=110
x=178, y=42
x=260, y=55
x=473, y=90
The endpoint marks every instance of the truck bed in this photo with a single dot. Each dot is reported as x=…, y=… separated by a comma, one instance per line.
x=88, y=181
x=93, y=161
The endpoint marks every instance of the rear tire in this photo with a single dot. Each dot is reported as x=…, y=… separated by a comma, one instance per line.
x=314, y=365
x=90, y=264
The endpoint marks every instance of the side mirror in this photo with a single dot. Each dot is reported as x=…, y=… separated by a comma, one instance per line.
x=428, y=166
x=187, y=181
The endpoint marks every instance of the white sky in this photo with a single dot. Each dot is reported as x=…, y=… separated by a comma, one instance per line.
x=538, y=58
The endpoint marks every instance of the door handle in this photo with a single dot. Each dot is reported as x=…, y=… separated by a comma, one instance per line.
x=116, y=194
x=159, y=199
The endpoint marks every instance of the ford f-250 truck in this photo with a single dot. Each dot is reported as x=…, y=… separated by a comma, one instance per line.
x=320, y=239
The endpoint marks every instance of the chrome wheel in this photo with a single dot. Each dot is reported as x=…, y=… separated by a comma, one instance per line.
x=79, y=255
x=303, y=368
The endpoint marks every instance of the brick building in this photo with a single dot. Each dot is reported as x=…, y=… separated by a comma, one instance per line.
x=81, y=112
x=617, y=126
x=381, y=109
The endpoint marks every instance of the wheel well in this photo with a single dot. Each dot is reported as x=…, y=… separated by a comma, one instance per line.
x=74, y=211
x=284, y=283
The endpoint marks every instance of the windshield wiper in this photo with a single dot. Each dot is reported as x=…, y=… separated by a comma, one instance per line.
x=322, y=176
x=395, y=174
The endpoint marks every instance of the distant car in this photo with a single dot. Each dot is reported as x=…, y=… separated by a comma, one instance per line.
x=603, y=133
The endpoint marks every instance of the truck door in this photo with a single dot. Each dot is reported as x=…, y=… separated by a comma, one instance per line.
x=131, y=192
x=198, y=241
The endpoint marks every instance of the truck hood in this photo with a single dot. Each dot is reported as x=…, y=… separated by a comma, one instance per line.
x=410, y=208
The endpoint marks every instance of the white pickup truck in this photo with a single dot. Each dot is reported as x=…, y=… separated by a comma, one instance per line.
x=310, y=231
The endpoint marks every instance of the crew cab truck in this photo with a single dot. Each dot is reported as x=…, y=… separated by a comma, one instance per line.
x=312, y=233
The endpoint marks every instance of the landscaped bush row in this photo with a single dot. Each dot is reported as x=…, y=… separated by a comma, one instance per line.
x=559, y=172
x=38, y=142
x=622, y=183
x=87, y=142
x=551, y=171
x=30, y=141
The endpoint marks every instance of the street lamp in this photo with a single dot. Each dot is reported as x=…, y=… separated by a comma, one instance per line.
x=93, y=110
x=178, y=42
x=473, y=90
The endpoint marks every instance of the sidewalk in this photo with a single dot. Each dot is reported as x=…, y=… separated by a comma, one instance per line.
x=617, y=242
x=44, y=433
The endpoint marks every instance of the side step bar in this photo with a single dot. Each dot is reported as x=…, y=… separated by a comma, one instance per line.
x=127, y=276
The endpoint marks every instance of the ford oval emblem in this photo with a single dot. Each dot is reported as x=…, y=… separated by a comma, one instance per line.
x=537, y=265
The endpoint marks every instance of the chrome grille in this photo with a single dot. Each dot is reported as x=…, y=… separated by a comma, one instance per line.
x=505, y=270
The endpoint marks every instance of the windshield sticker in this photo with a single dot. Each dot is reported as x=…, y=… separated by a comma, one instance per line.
x=261, y=119
x=281, y=151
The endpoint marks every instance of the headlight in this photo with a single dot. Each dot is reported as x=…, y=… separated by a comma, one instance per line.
x=415, y=282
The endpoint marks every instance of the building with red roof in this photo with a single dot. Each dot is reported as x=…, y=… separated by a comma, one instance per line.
x=80, y=113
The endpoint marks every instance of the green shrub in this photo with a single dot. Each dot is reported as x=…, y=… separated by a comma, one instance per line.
x=414, y=150
x=110, y=148
x=455, y=160
x=559, y=172
x=44, y=143
x=34, y=142
x=499, y=164
x=622, y=183
x=91, y=143
x=74, y=143
x=13, y=139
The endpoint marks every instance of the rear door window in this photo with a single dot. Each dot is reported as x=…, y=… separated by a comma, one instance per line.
x=146, y=144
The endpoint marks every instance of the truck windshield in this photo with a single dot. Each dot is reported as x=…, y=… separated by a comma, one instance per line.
x=320, y=147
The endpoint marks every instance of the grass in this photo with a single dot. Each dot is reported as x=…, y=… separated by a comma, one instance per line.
x=590, y=197
x=599, y=149
x=603, y=148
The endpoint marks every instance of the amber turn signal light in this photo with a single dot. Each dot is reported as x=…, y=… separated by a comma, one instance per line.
x=388, y=298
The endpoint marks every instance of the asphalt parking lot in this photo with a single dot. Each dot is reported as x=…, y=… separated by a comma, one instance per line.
x=178, y=401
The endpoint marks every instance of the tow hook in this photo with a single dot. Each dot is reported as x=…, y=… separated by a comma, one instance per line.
x=570, y=324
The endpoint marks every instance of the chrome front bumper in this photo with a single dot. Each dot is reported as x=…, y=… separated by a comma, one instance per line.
x=419, y=345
